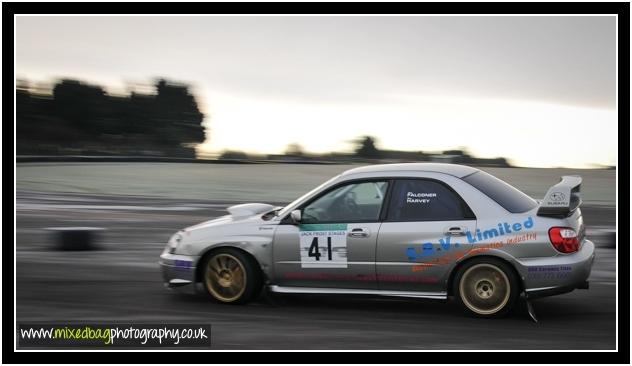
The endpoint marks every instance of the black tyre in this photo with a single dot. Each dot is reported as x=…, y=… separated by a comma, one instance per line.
x=486, y=287
x=230, y=276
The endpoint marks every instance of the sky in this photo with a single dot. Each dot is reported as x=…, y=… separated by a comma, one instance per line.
x=539, y=90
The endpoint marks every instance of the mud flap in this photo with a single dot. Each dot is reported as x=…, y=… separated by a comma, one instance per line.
x=530, y=310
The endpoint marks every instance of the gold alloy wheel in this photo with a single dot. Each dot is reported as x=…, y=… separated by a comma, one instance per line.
x=225, y=277
x=484, y=288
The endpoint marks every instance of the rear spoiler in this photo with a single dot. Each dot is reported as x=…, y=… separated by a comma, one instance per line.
x=563, y=198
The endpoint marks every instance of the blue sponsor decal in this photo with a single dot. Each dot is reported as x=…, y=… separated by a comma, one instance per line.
x=183, y=265
x=502, y=229
x=549, y=272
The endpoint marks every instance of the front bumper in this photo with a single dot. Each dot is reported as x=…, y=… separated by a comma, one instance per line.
x=178, y=271
x=556, y=275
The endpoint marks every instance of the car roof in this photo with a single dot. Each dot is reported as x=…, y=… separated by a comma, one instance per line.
x=456, y=170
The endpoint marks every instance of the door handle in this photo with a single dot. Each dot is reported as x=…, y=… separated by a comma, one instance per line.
x=359, y=232
x=455, y=231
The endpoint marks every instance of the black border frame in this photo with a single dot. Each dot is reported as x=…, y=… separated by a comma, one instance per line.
x=619, y=8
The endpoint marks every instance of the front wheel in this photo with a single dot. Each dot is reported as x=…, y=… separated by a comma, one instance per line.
x=486, y=287
x=231, y=277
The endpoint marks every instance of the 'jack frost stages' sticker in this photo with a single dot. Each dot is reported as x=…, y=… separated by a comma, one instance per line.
x=323, y=245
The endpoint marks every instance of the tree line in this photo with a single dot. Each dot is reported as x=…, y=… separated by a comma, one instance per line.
x=83, y=119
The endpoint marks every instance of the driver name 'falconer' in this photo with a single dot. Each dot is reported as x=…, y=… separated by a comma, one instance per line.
x=412, y=197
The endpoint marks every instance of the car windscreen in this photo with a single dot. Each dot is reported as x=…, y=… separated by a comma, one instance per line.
x=286, y=209
x=509, y=197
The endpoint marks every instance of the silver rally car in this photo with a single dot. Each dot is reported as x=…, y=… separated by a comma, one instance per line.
x=414, y=230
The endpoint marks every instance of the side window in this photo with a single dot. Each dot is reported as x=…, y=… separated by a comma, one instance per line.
x=426, y=200
x=355, y=202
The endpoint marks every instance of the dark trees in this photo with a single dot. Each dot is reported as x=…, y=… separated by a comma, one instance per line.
x=83, y=119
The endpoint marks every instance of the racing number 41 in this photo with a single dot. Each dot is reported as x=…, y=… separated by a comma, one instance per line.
x=315, y=252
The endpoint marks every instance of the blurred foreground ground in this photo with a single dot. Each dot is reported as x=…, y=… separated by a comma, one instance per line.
x=122, y=282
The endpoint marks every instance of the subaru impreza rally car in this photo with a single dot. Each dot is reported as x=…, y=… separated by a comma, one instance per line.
x=419, y=230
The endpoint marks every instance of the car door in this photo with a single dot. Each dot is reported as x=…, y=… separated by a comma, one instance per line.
x=424, y=231
x=334, y=244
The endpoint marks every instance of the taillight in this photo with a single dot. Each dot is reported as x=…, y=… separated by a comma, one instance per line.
x=564, y=239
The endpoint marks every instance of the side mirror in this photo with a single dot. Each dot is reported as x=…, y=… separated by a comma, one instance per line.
x=296, y=216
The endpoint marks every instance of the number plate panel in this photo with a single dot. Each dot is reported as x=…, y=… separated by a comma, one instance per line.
x=323, y=245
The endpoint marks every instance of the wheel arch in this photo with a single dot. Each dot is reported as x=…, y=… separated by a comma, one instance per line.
x=455, y=270
x=212, y=249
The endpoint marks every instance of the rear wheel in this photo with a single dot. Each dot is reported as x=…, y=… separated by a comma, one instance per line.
x=230, y=276
x=486, y=287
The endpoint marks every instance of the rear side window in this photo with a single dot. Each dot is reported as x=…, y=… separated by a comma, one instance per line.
x=426, y=200
x=509, y=197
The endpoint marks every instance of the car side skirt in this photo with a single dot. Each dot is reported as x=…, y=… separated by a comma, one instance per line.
x=347, y=291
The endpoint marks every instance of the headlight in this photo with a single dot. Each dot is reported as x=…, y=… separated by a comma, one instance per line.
x=173, y=243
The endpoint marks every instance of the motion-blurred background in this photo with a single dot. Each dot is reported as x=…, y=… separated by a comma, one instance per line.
x=142, y=125
x=485, y=90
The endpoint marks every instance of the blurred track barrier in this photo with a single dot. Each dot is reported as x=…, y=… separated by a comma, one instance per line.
x=75, y=238
x=603, y=237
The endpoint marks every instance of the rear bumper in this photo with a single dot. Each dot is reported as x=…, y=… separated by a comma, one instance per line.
x=178, y=271
x=557, y=275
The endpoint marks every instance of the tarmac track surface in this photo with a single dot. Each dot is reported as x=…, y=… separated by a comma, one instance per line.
x=122, y=283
